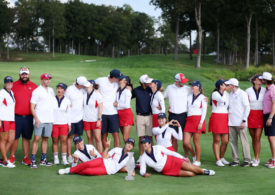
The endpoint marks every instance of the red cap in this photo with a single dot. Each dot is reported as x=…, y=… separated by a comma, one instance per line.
x=180, y=77
x=45, y=76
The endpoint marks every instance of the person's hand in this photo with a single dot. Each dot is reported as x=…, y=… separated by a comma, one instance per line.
x=98, y=123
x=92, y=153
x=146, y=175
x=75, y=158
x=206, y=99
x=159, y=107
x=242, y=125
x=69, y=128
x=115, y=104
x=269, y=122
x=36, y=122
x=199, y=126
x=134, y=172
x=108, y=143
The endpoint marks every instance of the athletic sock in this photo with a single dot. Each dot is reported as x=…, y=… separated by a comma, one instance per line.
x=64, y=156
x=33, y=157
x=55, y=154
x=206, y=172
x=43, y=156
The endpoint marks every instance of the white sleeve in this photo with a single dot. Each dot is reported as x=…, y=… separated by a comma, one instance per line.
x=142, y=166
x=176, y=135
x=99, y=97
x=67, y=114
x=246, y=105
x=125, y=104
x=161, y=102
x=216, y=96
x=204, y=109
x=166, y=93
x=35, y=97
x=171, y=153
x=1, y=97
x=157, y=130
x=111, y=152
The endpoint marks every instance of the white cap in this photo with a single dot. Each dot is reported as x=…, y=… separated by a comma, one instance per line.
x=145, y=79
x=83, y=81
x=232, y=81
x=24, y=70
x=266, y=76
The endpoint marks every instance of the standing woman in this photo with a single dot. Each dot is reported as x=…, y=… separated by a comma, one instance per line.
x=7, y=124
x=195, y=122
x=61, y=124
x=157, y=101
x=123, y=105
x=92, y=118
x=255, y=118
x=218, y=122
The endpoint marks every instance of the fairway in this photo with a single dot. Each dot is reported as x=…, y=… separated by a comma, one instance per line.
x=65, y=68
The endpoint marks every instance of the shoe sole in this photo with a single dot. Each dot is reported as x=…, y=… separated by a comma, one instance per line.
x=23, y=163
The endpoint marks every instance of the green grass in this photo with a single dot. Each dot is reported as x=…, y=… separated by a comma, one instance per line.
x=65, y=68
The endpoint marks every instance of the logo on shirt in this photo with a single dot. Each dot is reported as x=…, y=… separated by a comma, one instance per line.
x=30, y=88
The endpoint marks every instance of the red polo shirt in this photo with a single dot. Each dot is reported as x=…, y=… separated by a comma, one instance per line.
x=22, y=94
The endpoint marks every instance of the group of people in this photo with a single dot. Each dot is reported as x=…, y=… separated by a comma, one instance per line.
x=103, y=106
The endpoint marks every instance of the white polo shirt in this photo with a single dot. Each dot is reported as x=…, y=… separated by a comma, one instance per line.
x=164, y=135
x=75, y=95
x=116, y=161
x=256, y=99
x=238, y=108
x=44, y=100
x=220, y=102
x=157, y=100
x=7, y=105
x=84, y=157
x=91, y=103
x=124, y=99
x=197, y=106
x=177, y=97
x=108, y=91
x=61, y=111
x=157, y=159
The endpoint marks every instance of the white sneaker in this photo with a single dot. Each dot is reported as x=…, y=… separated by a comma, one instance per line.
x=7, y=164
x=211, y=172
x=255, y=163
x=197, y=163
x=219, y=163
x=64, y=171
x=56, y=161
x=225, y=162
x=65, y=162
x=252, y=161
x=194, y=158
x=70, y=159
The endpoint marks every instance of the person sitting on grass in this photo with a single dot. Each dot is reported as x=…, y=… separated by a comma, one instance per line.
x=112, y=162
x=84, y=152
x=164, y=132
x=167, y=162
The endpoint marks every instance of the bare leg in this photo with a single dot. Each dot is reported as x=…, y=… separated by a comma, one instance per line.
x=14, y=147
x=192, y=168
x=271, y=140
x=44, y=145
x=252, y=133
x=257, y=150
x=216, y=145
x=90, y=137
x=3, y=141
x=97, y=135
x=224, y=144
x=116, y=139
x=104, y=139
x=35, y=144
x=11, y=138
x=55, y=144
x=63, y=143
x=186, y=173
x=186, y=141
x=196, y=140
x=70, y=139
x=141, y=151
x=126, y=132
x=175, y=144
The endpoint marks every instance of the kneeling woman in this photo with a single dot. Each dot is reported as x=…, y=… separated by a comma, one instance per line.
x=195, y=121
x=111, y=163
x=164, y=133
x=167, y=162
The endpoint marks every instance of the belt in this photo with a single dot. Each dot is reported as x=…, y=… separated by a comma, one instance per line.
x=22, y=115
x=144, y=114
x=178, y=113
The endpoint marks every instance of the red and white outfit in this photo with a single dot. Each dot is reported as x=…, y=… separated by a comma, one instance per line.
x=157, y=100
x=103, y=166
x=197, y=107
x=255, y=118
x=90, y=115
x=84, y=156
x=218, y=122
x=162, y=160
x=7, y=108
x=125, y=114
x=164, y=136
x=61, y=117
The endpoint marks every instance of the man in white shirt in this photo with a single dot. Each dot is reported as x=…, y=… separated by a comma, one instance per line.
x=42, y=106
x=238, y=113
x=108, y=87
x=75, y=93
x=177, y=94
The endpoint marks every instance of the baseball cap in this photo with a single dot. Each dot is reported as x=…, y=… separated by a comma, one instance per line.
x=161, y=115
x=115, y=73
x=181, y=78
x=125, y=77
x=45, y=76
x=145, y=79
x=77, y=139
x=24, y=70
x=266, y=76
x=62, y=85
x=219, y=83
x=8, y=79
x=158, y=83
x=130, y=140
x=92, y=82
x=196, y=83
x=81, y=80
x=145, y=140
x=232, y=81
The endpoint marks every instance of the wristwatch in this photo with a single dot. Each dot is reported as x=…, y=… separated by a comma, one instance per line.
x=244, y=121
x=99, y=119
